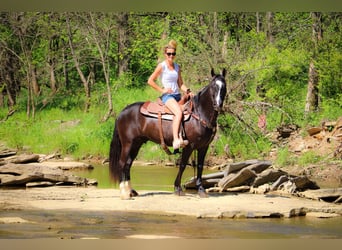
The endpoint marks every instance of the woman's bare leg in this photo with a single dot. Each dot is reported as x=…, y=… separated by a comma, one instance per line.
x=176, y=110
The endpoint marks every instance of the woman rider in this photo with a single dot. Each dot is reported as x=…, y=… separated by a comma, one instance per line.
x=171, y=78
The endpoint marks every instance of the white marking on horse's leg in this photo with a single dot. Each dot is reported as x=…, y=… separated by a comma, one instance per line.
x=125, y=191
x=129, y=186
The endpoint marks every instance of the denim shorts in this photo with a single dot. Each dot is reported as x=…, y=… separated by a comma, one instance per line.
x=166, y=97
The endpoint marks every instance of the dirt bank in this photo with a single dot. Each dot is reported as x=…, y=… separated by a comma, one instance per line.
x=227, y=205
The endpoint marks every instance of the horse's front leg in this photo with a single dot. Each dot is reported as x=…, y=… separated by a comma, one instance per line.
x=200, y=164
x=184, y=160
x=178, y=188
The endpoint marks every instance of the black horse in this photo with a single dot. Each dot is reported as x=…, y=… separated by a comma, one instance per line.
x=133, y=129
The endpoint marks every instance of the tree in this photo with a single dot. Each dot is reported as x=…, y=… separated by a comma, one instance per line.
x=76, y=60
x=123, y=42
x=100, y=33
x=9, y=64
x=311, y=103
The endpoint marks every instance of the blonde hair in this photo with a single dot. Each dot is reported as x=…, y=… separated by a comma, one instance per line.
x=171, y=45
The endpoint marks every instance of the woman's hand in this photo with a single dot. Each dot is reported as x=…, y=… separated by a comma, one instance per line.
x=167, y=91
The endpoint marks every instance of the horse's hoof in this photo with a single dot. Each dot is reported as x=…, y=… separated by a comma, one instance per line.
x=176, y=151
x=179, y=193
x=125, y=197
x=134, y=193
x=202, y=194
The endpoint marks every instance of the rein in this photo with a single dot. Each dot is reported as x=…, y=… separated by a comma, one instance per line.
x=203, y=122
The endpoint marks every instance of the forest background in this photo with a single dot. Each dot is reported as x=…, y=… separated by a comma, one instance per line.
x=65, y=76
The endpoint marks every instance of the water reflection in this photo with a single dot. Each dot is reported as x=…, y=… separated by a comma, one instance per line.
x=143, y=177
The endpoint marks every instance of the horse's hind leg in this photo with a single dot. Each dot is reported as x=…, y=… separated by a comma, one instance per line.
x=126, y=190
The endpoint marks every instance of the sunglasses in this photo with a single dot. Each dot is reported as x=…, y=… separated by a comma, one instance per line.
x=169, y=54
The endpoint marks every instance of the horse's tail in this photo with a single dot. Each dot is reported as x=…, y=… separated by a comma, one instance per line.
x=114, y=155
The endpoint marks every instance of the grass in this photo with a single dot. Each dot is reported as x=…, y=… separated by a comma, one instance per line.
x=69, y=131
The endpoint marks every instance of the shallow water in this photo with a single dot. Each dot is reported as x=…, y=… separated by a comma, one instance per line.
x=68, y=224
x=119, y=225
x=142, y=177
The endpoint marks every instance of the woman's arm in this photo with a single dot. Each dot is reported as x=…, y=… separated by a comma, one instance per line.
x=153, y=77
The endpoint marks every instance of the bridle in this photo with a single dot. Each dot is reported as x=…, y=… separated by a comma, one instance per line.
x=206, y=123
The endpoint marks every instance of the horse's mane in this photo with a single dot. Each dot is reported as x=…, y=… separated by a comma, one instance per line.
x=201, y=91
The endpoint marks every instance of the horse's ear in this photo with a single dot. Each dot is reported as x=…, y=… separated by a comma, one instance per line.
x=224, y=72
x=212, y=72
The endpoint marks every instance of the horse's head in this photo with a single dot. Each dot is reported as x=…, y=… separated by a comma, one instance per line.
x=218, y=88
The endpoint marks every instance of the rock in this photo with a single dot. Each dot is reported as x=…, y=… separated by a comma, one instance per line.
x=21, y=174
x=260, y=166
x=64, y=165
x=327, y=194
x=239, y=189
x=314, y=130
x=260, y=189
x=234, y=167
x=25, y=159
x=40, y=184
x=239, y=179
x=288, y=187
x=206, y=183
x=269, y=175
x=7, y=152
x=208, y=180
x=303, y=182
x=12, y=220
x=322, y=215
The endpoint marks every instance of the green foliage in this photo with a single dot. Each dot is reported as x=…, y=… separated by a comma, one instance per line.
x=284, y=158
x=263, y=75
x=309, y=157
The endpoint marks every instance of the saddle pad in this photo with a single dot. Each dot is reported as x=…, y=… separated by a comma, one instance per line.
x=152, y=109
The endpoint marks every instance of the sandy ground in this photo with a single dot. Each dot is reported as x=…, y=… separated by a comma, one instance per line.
x=225, y=205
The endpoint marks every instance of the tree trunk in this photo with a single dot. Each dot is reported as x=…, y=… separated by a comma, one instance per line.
x=311, y=103
x=224, y=51
x=258, y=22
x=35, y=85
x=269, y=31
x=65, y=70
x=104, y=38
x=53, y=82
x=123, y=58
x=78, y=68
x=312, y=98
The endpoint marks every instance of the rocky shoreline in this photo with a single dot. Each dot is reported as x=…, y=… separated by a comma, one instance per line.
x=34, y=170
x=43, y=182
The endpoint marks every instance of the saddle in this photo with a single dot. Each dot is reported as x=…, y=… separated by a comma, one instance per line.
x=159, y=111
x=157, y=108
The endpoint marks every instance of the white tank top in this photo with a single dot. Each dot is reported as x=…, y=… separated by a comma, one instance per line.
x=169, y=77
